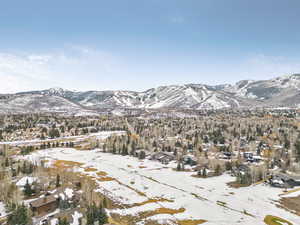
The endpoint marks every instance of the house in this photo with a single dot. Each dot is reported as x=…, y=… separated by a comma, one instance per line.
x=163, y=157
x=44, y=205
x=257, y=158
x=248, y=156
x=283, y=181
x=226, y=155
x=242, y=169
x=189, y=160
x=141, y=153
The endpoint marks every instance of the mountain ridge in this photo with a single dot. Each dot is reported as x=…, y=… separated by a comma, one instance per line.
x=281, y=91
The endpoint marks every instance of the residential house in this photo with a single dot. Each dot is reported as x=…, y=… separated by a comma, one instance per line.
x=44, y=205
x=283, y=181
x=163, y=157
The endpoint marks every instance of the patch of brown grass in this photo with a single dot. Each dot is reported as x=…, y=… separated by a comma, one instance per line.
x=152, y=201
x=167, y=211
x=158, y=211
x=90, y=169
x=101, y=173
x=103, y=179
x=274, y=220
x=291, y=203
x=191, y=222
x=112, y=221
x=64, y=164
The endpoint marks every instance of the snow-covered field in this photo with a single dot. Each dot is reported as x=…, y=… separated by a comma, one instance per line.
x=133, y=182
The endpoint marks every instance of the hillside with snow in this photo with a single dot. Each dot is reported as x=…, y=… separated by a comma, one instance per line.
x=278, y=92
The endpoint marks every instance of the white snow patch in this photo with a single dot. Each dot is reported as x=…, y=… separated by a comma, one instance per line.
x=69, y=193
x=54, y=221
x=76, y=216
x=23, y=180
x=2, y=210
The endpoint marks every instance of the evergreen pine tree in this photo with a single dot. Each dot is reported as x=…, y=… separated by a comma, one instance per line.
x=204, y=173
x=57, y=180
x=19, y=216
x=178, y=167
x=102, y=217
x=63, y=221
x=27, y=189
x=6, y=162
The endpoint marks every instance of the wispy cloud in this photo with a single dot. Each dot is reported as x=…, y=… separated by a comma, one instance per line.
x=85, y=68
x=71, y=67
x=20, y=71
x=262, y=66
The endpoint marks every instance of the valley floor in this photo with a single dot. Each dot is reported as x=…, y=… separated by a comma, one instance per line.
x=147, y=191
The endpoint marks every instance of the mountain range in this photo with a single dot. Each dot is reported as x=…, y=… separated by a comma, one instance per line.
x=282, y=91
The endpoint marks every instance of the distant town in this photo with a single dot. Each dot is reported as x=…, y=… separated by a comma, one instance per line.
x=160, y=167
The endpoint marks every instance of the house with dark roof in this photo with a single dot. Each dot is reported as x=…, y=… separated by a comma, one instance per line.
x=163, y=157
x=44, y=205
x=283, y=181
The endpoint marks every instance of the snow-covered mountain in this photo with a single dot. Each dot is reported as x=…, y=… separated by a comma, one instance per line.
x=278, y=92
x=195, y=96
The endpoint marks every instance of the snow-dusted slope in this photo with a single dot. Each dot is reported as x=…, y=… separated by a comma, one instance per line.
x=194, y=96
x=278, y=92
x=106, y=99
x=27, y=103
x=265, y=89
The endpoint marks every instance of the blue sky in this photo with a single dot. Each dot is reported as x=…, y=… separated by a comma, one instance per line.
x=139, y=44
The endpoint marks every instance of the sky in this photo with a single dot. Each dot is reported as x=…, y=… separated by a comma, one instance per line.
x=141, y=44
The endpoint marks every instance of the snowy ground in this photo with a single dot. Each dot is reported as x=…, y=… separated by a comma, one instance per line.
x=133, y=182
x=76, y=216
x=2, y=210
